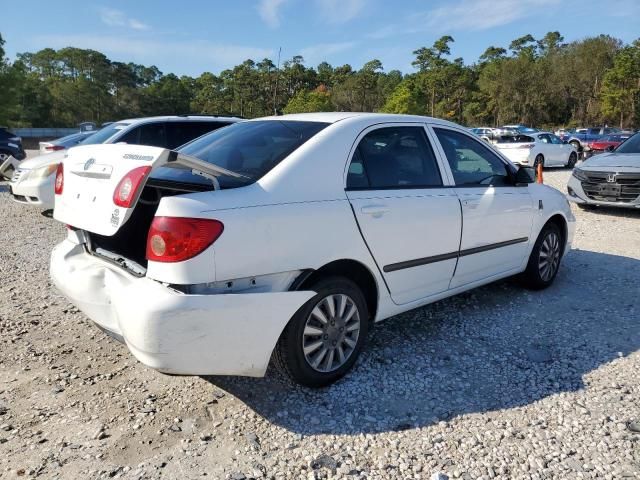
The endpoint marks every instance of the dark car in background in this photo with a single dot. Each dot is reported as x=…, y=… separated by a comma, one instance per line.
x=10, y=146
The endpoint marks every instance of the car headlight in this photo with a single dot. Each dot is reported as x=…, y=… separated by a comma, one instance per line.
x=580, y=175
x=43, y=172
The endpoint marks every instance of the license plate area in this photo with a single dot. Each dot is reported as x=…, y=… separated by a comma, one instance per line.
x=610, y=190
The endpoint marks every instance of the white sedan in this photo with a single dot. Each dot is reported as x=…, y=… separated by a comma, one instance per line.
x=537, y=148
x=291, y=236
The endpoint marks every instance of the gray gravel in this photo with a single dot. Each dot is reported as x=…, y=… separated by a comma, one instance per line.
x=496, y=383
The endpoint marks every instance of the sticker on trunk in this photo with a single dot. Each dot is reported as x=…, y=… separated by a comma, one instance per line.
x=115, y=217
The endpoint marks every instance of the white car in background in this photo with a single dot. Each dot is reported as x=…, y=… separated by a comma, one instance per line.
x=64, y=143
x=32, y=181
x=537, y=148
x=292, y=235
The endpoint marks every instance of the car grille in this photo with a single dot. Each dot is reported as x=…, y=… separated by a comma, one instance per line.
x=629, y=186
x=17, y=175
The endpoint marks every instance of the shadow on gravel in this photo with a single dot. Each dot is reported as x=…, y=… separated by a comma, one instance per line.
x=494, y=348
x=614, y=212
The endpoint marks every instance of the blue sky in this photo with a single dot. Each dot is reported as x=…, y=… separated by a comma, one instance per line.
x=193, y=36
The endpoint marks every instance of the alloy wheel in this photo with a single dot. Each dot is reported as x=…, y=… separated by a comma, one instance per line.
x=3, y=157
x=331, y=333
x=549, y=257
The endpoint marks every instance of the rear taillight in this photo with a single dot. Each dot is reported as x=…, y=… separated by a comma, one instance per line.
x=127, y=188
x=53, y=148
x=527, y=145
x=59, y=183
x=175, y=239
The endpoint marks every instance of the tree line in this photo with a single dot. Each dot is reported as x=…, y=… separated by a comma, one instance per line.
x=542, y=82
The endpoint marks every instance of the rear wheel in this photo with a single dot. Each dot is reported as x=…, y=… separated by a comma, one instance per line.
x=573, y=158
x=322, y=341
x=576, y=145
x=545, y=258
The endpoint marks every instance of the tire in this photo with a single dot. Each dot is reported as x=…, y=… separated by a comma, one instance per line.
x=539, y=160
x=551, y=244
x=307, y=329
x=4, y=155
x=577, y=146
x=573, y=158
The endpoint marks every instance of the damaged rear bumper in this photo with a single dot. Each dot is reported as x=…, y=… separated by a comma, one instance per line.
x=223, y=334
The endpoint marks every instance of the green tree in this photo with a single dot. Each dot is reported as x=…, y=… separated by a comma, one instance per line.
x=621, y=87
x=318, y=100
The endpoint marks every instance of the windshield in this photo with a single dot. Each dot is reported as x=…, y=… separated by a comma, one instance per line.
x=631, y=145
x=104, y=134
x=248, y=148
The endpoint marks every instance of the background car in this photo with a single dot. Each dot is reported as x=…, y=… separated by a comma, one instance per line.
x=538, y=148
x=32, y=182
x=11, y=152
x=64, y=142
x=521, y=128
x=582, y=138
x=608, y=142
x=486, y=133
x=609, y=179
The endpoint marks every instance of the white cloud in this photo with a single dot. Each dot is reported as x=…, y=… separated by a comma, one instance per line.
x=269, y=12
x=117, y=18
x=482, y=14
x=315, y=54
x=340, y=11
x=196, y=56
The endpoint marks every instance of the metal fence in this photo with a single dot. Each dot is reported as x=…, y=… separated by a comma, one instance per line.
x=44, y=132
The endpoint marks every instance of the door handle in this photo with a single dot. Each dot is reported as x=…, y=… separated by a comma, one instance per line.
x=471, y=203
x=375, y=210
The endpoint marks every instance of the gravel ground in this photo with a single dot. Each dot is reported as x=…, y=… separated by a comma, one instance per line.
x=496, y=383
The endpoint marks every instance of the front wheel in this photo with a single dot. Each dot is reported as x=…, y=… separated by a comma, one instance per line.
x=545, y=258
x=322, y=341
x=573, y=158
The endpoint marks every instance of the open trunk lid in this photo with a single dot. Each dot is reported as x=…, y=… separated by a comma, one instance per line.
x=92, y=173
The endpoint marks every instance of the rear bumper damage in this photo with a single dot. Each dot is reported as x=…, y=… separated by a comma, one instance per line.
x=219, y=334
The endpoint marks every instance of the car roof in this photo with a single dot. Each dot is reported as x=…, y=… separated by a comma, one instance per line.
x=333, y=117
x=197, y=118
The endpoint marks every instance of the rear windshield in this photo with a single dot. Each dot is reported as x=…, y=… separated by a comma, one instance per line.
x=630, y=145
x=248, y=148
x=104, y=134
x=515, y=139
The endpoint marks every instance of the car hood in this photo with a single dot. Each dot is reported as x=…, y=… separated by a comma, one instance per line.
x=43, y=160
x=619, y=160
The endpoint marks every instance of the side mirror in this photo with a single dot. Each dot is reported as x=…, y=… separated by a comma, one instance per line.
x=610, y=148
x=525, y=175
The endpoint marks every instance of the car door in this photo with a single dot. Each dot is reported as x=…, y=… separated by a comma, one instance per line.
x=496, y=215
x=407, y=212
x=563, y=150
x=544, y=144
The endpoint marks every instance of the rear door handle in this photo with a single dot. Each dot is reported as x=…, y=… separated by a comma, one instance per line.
x=375, y=210
x=471, y=203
